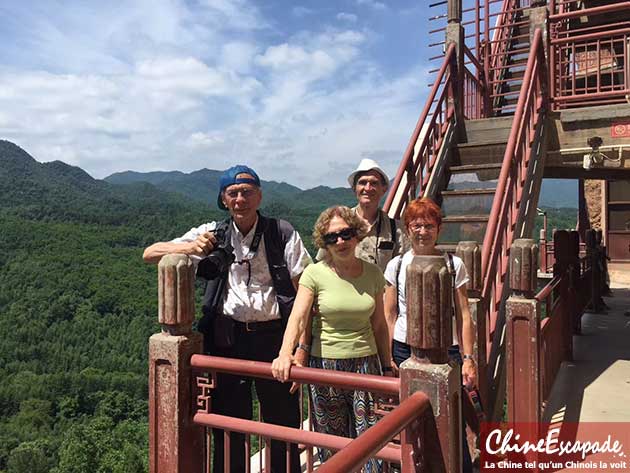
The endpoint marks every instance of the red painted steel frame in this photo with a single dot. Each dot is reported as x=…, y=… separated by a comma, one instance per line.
x=259, y=369
x=373, y=439
x=500, y=231
x=408, y=166
x=291, y=435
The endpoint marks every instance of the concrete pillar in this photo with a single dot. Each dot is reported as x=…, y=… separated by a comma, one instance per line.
x=593, y=253
x=176, y=445
x=574, y=278
x=564, y=248
x=454, y=11
x=429, y=315
x=542, y=249
x=523, y=335
x=470, y=253
x=538, y=18
x=455, y=34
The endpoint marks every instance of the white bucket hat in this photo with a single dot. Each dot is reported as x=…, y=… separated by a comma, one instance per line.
x=367, y=165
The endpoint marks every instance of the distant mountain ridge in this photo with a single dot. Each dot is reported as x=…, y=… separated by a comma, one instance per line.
x=59, y=191
x=58, y=188
x=203, y=186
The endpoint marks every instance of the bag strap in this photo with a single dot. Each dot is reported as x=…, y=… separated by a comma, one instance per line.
x=392, y=226
x=398, y=266
x=450, y=265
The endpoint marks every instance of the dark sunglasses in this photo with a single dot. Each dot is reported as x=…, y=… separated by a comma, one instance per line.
x=345, y=234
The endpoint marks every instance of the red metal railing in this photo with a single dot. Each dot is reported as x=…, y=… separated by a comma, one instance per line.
x=415, y=170
x=493, y=28
x=589, y=65
x=412, y=409
x=553, y=330
x=373, y=440
x=509, y=193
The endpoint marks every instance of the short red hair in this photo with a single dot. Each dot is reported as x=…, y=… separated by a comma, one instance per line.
x=425, y=209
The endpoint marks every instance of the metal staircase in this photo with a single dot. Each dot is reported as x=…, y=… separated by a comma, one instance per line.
x=472, y=180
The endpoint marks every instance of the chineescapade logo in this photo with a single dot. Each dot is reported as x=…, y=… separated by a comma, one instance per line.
x=586, y=446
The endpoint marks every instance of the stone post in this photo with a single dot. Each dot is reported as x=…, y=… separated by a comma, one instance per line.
x=523, y=335
x=176, y=445
x=455, y=34
x=574, y=295
x=542, y=249
x=538, y=16
x=429, y=335
x=563, y=250
x=593, y=253
x=470, y=253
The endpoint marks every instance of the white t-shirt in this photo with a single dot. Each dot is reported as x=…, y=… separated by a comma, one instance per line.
x=400, y=329
x=256, y=301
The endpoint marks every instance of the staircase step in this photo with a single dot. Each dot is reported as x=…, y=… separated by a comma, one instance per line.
x=481, y=152
x=461, y=203
x=474, y=176
x=463, y=228
x=488, y=129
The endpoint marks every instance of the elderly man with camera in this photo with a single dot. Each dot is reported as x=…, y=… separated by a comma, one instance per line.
x=252, y=264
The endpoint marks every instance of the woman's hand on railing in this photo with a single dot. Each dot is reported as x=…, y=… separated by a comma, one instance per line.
x=281, y=367
x=469, y=373
x=299, y=359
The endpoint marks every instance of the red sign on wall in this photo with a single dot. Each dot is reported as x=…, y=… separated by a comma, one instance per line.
x=620, y=130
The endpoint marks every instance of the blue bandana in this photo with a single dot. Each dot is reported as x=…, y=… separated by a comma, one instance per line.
x=229, y=178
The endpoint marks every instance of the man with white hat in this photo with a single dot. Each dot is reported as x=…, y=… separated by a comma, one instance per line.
x=385, y=238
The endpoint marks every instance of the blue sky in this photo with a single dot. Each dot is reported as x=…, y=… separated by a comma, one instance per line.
x=299, y=90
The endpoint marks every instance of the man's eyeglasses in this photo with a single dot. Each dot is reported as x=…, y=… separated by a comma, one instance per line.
x=416, y=227
x=345, y=234
x=246, y=193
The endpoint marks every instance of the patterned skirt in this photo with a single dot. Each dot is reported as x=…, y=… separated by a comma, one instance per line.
x=342, y=412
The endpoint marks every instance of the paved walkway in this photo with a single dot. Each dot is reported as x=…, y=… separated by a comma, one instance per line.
x=595, y=387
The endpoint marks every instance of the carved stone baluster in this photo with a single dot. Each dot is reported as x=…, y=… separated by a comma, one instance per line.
x=523, y=335
x=429, y=334
x=176, y=445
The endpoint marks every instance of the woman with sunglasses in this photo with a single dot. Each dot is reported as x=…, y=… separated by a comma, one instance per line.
x=349, y=331
x=422, y=221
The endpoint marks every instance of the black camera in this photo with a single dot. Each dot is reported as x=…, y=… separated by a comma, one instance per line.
x=221, y=257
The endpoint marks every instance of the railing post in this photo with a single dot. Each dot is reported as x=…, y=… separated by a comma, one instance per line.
x=538, y=18
x=542, y=245
x=455, y=34
x=470, y=253
x=593, y=253
x=575, y=315
x=176, y=445
x=523, y=335
x=429, y=334
x=563, y=249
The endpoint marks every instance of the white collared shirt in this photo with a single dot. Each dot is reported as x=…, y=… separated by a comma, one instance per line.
x=256, y=301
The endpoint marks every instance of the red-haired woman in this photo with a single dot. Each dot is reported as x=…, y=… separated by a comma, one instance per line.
x=422, y=221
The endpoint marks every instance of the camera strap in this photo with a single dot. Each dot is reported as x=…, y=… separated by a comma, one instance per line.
x=253, y=248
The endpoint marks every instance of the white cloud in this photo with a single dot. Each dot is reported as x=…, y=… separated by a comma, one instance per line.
x=349, y=17
x=372, y=4
x=236, y=14
x=238, y=56
x=185, y=85
x=301, y=11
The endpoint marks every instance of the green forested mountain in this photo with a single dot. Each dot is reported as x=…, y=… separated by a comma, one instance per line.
x=203, y=185
x=77, y=307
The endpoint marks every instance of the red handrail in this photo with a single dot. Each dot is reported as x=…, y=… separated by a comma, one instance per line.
x=500, y=231
x=374, y=439
x=298, y=374
x=614, y=7
x=407, y=161
x=292, y=435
